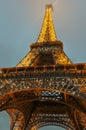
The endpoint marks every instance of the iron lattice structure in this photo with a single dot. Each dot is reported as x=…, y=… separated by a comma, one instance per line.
x=45, y=88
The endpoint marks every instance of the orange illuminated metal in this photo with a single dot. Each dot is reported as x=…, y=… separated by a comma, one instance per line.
x=47, y=32
x=45, y=88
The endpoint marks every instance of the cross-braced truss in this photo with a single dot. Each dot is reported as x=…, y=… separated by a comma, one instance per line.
x=48, y=95
x=45, y=88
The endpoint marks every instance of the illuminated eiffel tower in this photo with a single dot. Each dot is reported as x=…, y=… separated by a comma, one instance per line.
x=45, y=88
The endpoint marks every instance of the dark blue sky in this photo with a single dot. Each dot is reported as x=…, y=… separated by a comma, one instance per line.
x=20, y=24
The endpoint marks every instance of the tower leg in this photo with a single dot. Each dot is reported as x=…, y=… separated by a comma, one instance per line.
x=17, y=119
x=76, y=121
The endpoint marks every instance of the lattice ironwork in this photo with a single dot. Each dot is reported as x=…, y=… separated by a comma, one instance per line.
x=47, y=32
x=45, y=88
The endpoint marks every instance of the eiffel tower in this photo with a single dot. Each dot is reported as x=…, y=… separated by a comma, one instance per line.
x=45, y=88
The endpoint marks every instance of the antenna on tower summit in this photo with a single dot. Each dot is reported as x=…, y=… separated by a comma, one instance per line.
x=49, y=6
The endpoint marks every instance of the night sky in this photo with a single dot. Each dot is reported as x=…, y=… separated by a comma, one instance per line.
x=20, y=24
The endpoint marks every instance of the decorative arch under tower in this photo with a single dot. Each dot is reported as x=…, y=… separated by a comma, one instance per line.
x=45, y=87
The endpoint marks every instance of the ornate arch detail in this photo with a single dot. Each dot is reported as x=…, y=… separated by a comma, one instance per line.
x=17, y=119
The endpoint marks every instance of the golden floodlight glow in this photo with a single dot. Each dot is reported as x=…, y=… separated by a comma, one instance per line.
x=47, y=32
x=45, y=88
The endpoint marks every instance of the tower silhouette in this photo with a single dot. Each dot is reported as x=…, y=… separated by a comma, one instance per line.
x=45, y=87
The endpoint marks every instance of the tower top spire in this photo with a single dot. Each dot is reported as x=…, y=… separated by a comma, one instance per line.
x=49, y=6
x=47, y=33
